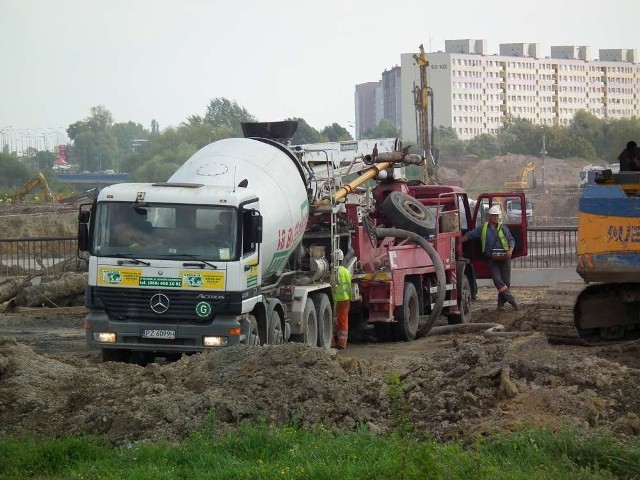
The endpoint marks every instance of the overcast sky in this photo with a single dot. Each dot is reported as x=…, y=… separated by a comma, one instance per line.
x=165, y=59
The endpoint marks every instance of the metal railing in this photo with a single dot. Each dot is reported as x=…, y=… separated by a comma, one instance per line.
x=28, y=256
x=548, y=247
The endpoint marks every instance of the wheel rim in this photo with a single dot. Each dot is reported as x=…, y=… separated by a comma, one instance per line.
x=413, y=210
x=312, y=330
x=277, y=337
x=412, y=313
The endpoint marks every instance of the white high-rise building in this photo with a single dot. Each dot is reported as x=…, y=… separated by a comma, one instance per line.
x=474, y=93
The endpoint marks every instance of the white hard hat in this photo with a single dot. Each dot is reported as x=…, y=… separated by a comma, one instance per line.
x=339, y=255
x=495, y=210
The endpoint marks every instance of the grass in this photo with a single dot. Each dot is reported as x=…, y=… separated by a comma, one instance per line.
x=263, y=452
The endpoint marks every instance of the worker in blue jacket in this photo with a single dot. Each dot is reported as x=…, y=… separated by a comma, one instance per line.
x=497, y=247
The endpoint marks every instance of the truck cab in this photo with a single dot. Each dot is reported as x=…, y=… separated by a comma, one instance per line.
x=514, y=211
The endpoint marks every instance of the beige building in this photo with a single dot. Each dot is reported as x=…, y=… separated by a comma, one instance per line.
x=475, y=92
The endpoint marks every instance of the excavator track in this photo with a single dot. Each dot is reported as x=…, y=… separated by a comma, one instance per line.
x=593, y=314
x=556, y=313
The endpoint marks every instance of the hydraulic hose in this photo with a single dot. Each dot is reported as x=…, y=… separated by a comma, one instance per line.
x=437, y=262
x=490, y=330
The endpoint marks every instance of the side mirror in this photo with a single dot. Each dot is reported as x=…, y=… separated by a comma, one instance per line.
x=256, y=228
x=84, y=216
x=83, y=236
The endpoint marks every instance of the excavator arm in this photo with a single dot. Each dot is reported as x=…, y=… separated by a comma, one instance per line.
x=37, y=180
x=522, y=182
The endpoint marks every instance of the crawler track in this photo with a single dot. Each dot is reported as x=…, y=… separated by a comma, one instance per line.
x=557, y=313
x=593, y=314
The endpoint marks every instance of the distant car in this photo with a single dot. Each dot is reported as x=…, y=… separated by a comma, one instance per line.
x=514, y=213
x=110, y=172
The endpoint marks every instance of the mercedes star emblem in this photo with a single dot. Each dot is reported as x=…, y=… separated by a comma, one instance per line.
x=159, y=303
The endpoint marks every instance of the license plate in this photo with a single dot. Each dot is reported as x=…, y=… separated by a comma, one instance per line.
x=164, y=334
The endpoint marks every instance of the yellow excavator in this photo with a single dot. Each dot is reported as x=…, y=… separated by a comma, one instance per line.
x=522, y=182
x=38, y=180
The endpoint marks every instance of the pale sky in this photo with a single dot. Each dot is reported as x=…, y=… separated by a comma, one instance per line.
x=166, y=59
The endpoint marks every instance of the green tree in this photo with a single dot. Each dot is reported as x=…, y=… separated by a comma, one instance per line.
x=223, y=113
x=158, y=169
x=520, y=136
x=125, y=133
x=446, y=140
x=336, y=133
x=484, y=146
x=306, y=133
x=384, y=129
x=14, y=173
x=95, y=146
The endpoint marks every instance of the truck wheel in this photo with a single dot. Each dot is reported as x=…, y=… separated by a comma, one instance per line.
x=408, y=213
x=253, y=333
x=309, y=335
x=114, y=355
x=407, y=315
x=464, y=304
x=324, y=315
x=276, y=335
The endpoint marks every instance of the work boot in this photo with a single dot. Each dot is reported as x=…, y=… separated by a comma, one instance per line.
x=514, y=303
x=500, y=306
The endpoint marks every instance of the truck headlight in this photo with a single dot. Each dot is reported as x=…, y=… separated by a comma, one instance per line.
x=215, y=341
x=104, y=337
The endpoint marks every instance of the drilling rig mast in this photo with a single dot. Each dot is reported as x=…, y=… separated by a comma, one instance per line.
x=423, y=100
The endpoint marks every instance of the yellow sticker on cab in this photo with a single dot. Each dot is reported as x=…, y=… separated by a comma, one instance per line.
x=186, y=279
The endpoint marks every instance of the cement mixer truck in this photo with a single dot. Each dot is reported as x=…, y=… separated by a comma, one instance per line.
x=239, y=246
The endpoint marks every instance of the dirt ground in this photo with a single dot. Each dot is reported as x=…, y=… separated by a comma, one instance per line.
x=458, y=386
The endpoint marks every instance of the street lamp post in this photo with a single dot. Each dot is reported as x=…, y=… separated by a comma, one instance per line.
x=543, y=154
x=2, y=130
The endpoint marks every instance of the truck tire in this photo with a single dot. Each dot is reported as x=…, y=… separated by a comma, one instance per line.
x=408, y=213
x=253, y=334
x=324, y=316
x=464, y=304
x=407, y=315
x=309, y=335
x=275, y=333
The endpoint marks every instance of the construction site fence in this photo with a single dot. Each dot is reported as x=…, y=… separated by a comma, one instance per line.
x=548, y=247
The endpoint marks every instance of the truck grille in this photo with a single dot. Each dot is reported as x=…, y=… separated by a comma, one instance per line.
x=135, y=304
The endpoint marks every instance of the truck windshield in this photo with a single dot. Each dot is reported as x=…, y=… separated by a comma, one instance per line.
x=165, y=231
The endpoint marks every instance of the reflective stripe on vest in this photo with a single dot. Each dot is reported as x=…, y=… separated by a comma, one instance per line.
x=342, y=290
x=501, y=236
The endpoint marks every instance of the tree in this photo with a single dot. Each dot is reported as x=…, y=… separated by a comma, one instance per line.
x=519, y=136
x=384, y=129
x=484, y=146
x=446, y=140
x=125, y=133
x=95, y=146
x=336, y=133
x=14, y=173
x=226, y=114
x=306, y=133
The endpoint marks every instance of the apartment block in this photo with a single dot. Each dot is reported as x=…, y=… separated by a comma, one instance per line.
x=474, y=93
